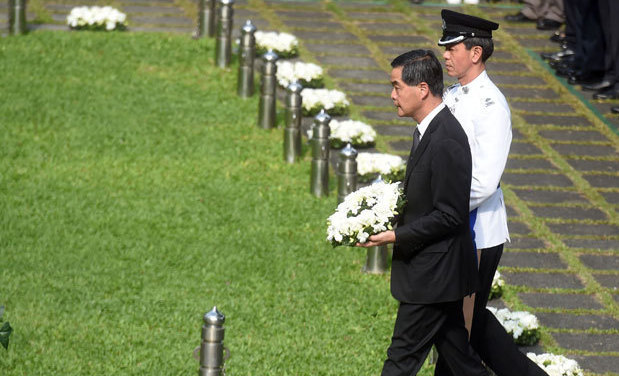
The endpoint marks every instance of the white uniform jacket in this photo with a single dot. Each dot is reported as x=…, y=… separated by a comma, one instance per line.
x=482, y=110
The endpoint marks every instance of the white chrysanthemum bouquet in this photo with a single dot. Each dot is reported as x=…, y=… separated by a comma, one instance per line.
x=333, y=101
x=97, y=18
x=367, y=211
x=522, y=325
x=357, y=133
x=308, y=75
x=556, y=365
x=496, y=290
x=390, y=167
x=283, y=44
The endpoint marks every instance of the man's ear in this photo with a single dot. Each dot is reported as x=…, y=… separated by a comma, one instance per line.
x=476, y=52
x=424, y=89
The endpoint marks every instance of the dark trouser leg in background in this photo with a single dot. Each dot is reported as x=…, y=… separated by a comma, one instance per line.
x=488, y=337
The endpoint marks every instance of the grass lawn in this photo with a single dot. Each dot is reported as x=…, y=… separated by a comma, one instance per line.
x=136, y=192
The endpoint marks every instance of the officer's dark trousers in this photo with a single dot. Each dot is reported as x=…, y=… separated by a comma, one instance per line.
x=586, y=37
x=417, y=327
x=489, y=339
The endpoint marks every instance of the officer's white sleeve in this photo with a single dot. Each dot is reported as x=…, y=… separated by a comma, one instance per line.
x=493, y=136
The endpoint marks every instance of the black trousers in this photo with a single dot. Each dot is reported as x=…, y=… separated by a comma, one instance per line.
x=609, y=12
x=489, y=339
x=586, y=37
x=418, y=327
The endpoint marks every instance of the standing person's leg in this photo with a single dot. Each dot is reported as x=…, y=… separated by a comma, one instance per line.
x=608, y=88
x=453, y=346
x=495, y=346
x=413, y=332
x=554, y=11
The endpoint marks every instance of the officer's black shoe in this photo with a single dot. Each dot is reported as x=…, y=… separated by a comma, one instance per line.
x=597, y=86
x=614, y=109
x=558, y=37
x=518, y=17
x=566, y=71
x=566, y=62
x=557, y=56
x=546, y=24
x=608, y=93
x=584, y=77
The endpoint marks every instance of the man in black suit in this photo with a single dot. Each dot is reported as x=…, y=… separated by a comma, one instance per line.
x=434, y=264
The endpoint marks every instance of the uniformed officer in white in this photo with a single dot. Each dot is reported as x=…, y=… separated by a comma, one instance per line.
x=483, y=112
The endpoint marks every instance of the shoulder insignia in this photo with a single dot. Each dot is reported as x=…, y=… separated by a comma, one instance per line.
x=488, y=102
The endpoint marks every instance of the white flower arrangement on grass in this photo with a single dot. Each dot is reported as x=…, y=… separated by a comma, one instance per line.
x=522, y=325
x=283, y=44
x=96, y=18
x=556, y=365
x=309, y=75
x=333, y=101
x=365, y=212
x=390, y=167
x=496, y=290
x=358, y=133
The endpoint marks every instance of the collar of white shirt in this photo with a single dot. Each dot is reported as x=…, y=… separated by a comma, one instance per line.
x=477, y=82
x=426, y=121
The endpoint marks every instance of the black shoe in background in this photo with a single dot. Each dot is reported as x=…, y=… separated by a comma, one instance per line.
x=614, y=109
x=585, y=77
x=546, y=24
x=558, y=37
x=608, y=93
x=518, y=17
x=597, y=86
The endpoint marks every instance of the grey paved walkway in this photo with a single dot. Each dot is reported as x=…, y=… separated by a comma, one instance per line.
x=562, y=178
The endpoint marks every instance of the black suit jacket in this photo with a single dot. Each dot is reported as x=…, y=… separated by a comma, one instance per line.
x=433, y=256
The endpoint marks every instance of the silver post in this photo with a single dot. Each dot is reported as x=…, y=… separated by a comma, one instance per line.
x=347, y=172
x=223, y=47
x=319, y=184
x=292, y=132
x=212, y=345
x=245, y=78
x=268, y=87
x=376, y=261
x=17, y=17
x=207, y=13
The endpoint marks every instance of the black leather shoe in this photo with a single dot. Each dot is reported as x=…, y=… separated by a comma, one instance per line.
x=546, y=24
x=557, y=56
x=558, y=37
x=614, y=109
x=608, y=93
x=567, y=71
x=604, y=84
x=586, y=77
x=518, y=17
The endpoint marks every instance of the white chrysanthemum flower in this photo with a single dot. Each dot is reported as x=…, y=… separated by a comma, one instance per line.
x=280, y=43
x=316, y=99
x=367, y=211
x=517, y=323
x=288, y=72
x=378, y=163
x=95, y=17
x=556, y=365
x=356, y=132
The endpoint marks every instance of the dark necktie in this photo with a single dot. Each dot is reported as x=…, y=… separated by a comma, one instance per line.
x=416, y=140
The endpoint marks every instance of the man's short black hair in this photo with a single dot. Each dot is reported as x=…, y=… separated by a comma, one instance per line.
x=421, y=66
x=486, y=44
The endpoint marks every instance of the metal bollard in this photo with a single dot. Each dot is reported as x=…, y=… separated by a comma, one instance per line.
x=245, y=79
x=207, y=13
x=212, y=345
x=268, y=86
x=347, y=168
x=292, y=132
x=17, y=17
x=376, y=261
x=319, y=184
x=223, y=46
